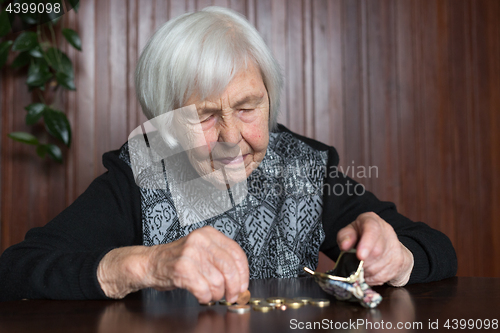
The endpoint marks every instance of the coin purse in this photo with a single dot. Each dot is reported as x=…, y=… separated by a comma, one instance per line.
x=346, y=281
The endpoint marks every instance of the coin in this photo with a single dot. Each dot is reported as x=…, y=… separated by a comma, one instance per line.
x=320, y=302
x=243, y=298
x=273, y=305
x=208, y=304
x=304, y=300
x=224, y=302
x=255, y=300
x=277, y=300
x=263, y=307
x=239, y=308
x=294, y=304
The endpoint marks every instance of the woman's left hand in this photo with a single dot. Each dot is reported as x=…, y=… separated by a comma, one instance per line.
x=386, y=260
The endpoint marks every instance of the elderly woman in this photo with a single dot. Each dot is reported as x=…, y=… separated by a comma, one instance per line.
x=212, y=191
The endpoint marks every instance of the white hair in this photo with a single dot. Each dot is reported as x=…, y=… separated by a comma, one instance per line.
x=201, y=53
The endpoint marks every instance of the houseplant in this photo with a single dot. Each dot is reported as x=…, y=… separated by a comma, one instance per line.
x=30, y=30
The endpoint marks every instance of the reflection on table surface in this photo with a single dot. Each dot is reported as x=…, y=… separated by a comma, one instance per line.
x=178, y=311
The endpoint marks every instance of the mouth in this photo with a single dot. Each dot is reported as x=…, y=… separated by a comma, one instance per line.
x=231, y=160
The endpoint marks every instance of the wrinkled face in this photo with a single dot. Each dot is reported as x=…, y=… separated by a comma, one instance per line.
x=232, y=131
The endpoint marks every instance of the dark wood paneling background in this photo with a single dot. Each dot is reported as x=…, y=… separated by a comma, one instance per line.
x=409, y=86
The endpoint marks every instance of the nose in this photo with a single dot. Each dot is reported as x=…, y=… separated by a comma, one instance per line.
x=229, y=131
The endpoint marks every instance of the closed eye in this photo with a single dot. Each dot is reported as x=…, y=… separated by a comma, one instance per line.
x=207, y=119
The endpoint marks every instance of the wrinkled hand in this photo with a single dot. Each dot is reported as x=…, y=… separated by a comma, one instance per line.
x=206, y=262
x=385, y=258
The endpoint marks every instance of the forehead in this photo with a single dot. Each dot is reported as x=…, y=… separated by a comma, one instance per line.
x=249, y=76
x=246, y=83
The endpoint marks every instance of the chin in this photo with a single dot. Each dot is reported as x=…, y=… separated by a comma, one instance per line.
x=251, y=167
x=228, y=178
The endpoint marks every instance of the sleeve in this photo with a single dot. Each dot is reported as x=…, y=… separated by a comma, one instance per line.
x=60, y=260
x=434, y=255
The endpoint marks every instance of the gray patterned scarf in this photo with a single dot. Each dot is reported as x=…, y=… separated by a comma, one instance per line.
x=278, y=224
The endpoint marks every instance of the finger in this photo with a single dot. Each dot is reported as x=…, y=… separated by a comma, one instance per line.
x=240, y=258
x=196, y=270
x=383, y=269
x=376, y=268
x=347, y=237
x=227, y=266
x=214, y=261
x=238, y=255
x=188, y=276
x=370, y=231
x=201, y=290
x=378, y=250
x=375, y=280
x=380, y=273
x=216, y=281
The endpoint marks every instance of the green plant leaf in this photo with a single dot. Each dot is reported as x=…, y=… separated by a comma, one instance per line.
x=57, y=125
x=44, y=45
x=38, y=74
x=35, y=112
x=53, y=16
x=25, y=42
x=30, y=18
x=21, y=60
x=36, y=52
x=36, y=17
x=4, y=52
x=41, y=150
x=59, y=61
x=72, y=38
x=65, y=81
x=54, y=21
x=75, y=4
x=54, y=152
x=4, y=23
x=23, y=137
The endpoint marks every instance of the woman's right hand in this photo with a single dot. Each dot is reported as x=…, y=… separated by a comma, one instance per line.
x=206, y=262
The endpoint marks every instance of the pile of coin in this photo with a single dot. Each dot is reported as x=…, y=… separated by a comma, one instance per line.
x=270, y=303
x=283, y=303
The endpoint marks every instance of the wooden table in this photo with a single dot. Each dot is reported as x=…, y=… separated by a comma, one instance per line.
x=475, y=299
